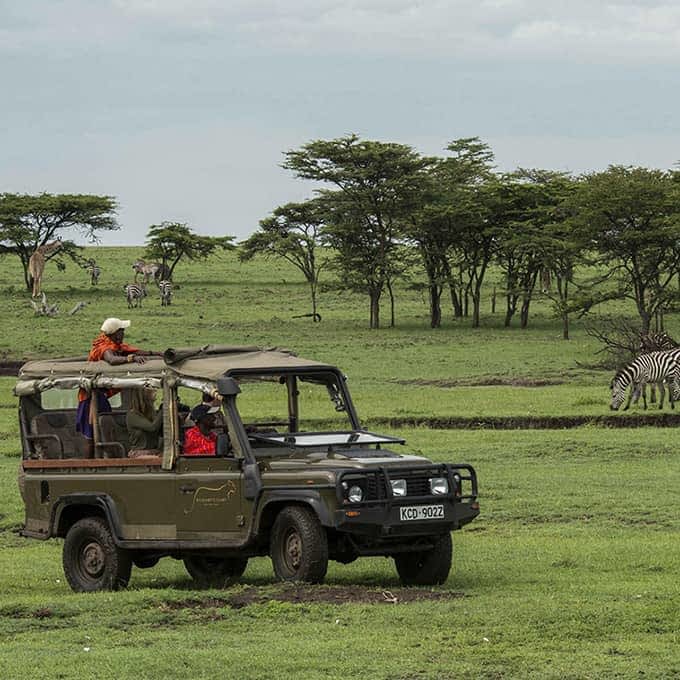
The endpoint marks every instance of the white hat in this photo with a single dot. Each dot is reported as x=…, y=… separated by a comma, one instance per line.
x=110, y=326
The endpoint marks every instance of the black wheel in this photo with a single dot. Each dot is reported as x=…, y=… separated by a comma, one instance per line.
x=92, y=561
x=209, y=571
x=145, y=561
x=299, y=547
x=426, y=567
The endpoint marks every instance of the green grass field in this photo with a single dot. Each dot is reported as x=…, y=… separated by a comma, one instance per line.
x=569, y=572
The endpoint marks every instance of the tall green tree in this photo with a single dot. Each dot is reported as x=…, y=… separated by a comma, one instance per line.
x=30, y=221
x=375, y=186
x=450, y=229
x=631, y=217
x=534, y=236
x=293, y=232
x=170, y=242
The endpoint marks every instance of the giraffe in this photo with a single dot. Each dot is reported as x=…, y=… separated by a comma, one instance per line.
x=36, y=263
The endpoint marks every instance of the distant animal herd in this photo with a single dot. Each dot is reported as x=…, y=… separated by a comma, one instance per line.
x=134, y=292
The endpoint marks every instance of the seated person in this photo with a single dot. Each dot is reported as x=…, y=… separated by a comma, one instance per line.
x=201, y=440
x=144, y=423
x=209, y=400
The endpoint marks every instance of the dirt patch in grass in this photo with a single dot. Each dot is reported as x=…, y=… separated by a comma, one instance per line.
x=484, y=381
x=528, y=422
x=308, y=594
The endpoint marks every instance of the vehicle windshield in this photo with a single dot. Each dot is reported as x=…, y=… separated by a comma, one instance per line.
x=309, y=439
x=293, y=403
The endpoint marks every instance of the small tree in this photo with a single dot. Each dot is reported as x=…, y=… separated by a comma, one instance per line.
x=292, y=233
x=376, y=185
x=172, y=241
x=30, y=221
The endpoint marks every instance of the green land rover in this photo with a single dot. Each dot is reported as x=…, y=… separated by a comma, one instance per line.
x=293, y=474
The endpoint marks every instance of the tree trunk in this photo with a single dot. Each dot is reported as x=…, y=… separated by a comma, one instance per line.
x=493, y=301
x=435, y=306
x=375, y=309
x=510, y=309
x=455, y=301
x=476, y=304
x=645, y=319
x=391, y=293
x=524, y=312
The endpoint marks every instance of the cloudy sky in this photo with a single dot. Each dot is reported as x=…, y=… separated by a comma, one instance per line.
x=182, y=109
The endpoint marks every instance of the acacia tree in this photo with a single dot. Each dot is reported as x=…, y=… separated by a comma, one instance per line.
x=172, y=241
x=292, y=233
x=30, y=221
x=376, y=184
x=451, y=231
x=630, y=217
x=530, y=216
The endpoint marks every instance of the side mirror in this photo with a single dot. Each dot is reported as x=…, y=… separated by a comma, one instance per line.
x=222, y=445
x=228, y=387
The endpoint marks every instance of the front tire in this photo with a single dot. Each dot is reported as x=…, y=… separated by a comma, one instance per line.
x=215, y=572
x=92, y=560
x=299, y=546
x=426, y=567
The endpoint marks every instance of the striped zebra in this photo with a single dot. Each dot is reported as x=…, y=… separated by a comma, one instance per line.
x=165, y=292
x=94, y=271
x=655, y=341
x=134, y=294
x=655, y=367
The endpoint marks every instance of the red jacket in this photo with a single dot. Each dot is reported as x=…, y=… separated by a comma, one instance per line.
x=198, y=444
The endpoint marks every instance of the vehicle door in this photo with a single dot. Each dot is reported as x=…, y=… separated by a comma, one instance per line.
x=209, y=497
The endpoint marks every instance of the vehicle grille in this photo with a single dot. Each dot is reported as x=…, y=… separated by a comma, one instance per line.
x=418, y=486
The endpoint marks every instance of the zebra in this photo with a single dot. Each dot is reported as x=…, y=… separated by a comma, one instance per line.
x=655, y=342
x=147, y=270
x=165, y=291
x=134, y=294
x=94, y=271
x=655, y=367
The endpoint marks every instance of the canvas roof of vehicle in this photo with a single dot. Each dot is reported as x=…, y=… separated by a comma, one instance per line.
x=209, y=362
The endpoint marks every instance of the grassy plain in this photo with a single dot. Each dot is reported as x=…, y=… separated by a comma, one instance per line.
x=570, y=571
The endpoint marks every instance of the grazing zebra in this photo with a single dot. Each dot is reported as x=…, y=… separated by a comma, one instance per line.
x=165, y=291
x=655, y=342
x=655, y=367
x=94, y=271
x=134, y=294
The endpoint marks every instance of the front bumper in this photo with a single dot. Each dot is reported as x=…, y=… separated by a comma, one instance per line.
x=379, y=515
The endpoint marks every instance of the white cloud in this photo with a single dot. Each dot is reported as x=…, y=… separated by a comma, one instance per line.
x=603, y=31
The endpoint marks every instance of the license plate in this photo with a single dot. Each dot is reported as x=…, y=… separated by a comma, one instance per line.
x=420, y=512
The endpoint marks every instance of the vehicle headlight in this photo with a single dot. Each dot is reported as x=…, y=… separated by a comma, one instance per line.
x=398, y=487
x=439, y=486
x=355, y=494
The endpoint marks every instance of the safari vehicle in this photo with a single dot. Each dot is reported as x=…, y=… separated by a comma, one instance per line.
x=293, y=476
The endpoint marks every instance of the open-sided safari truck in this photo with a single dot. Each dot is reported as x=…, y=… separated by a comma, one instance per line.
x=293, y=474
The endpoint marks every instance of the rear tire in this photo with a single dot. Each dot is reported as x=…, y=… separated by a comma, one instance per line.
x=426, y=567
x=215, y=572
x=299, y=546
x=92, y=560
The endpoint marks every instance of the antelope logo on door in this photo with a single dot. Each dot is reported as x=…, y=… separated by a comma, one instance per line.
x=206, y=496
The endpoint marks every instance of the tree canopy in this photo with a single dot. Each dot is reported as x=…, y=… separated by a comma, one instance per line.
x=169, y=242
x=375, y=187
x=293, y=232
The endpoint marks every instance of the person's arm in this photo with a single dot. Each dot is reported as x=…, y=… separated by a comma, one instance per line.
x=110, y=357
x=137, y=421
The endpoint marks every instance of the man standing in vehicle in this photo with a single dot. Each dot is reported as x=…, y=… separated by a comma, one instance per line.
x=107, y=346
